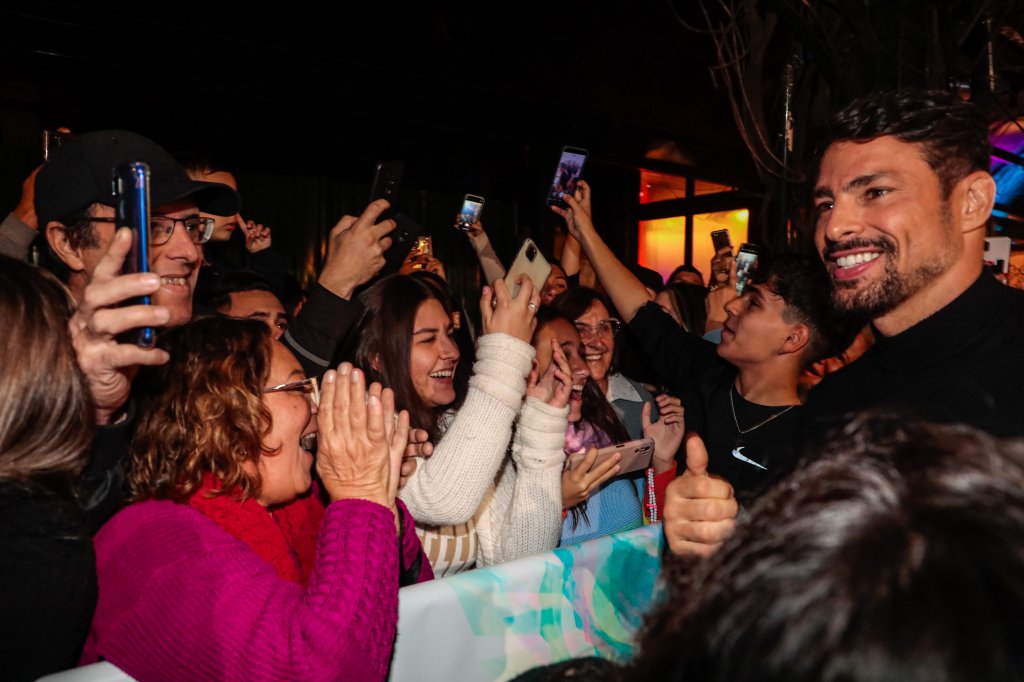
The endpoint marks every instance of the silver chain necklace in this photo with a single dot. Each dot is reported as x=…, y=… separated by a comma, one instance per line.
x=742, y=432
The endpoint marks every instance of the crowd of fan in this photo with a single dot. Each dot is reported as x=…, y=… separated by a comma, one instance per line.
x=834, y=456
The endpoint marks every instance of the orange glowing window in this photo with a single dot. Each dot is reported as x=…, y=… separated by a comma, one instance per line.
x=663, y=242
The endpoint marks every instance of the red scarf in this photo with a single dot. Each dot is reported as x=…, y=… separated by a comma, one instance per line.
x=285, y=538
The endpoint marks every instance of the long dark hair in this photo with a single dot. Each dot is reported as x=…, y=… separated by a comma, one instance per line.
x=596, y=410
x=383, y=338
x=688, y=300
x=46, y=419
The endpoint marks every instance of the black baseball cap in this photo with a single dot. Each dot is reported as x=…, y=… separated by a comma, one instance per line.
x=79, y=173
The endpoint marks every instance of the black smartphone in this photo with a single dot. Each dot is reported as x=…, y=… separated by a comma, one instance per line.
x=53, y=139
x=570, y=167
x=720, y=240
x=131, y=209
x=746, y=265
x=472, y=207
x=404, y=237
x=387, y=180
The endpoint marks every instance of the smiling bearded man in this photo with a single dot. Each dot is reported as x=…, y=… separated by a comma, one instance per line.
x=902, y=200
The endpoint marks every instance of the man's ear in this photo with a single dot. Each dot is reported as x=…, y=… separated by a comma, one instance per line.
x=978, y=196
x=57, y=238
x=797, y=339
x=375, y=362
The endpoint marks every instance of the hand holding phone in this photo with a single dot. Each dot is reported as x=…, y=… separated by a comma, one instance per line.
x=567, y=174
x=472, y=208
x=586, y=476
x=387, y=180
x=634, y=455
x=131, y=189
x=530, y=262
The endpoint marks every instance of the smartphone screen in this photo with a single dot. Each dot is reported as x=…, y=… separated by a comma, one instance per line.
x=746, y=265
x=570, y=167
x=131, y=209
x=472, y=207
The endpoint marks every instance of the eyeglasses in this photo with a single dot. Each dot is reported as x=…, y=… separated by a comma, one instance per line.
x=609, y=327
x=308, y=387
x=161, y=227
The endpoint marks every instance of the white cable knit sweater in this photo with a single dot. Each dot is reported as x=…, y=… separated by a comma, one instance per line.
x=471, y=506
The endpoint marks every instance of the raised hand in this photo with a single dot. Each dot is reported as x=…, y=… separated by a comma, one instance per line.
x=722, y=288
x=667, y=432
x=501, y=313
x=361, y=444
x=578, y=216
x=355, y=252
x=555, y=386
x=108, y=365
x=257, y=237
x=700, y=509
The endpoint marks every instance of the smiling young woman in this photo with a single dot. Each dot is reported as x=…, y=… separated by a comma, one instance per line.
x=470, y=495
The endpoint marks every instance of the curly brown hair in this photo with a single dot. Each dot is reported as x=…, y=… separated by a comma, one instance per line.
x=203, y=412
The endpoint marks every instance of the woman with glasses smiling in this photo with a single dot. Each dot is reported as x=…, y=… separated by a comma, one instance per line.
x=226, y=566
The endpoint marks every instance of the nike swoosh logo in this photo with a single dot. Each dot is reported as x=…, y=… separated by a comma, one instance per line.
x=738, y=454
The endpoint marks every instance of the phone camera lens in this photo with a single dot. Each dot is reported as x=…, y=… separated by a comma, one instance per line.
x=531, y=253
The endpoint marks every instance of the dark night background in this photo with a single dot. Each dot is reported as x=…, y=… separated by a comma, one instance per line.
x=302, y=100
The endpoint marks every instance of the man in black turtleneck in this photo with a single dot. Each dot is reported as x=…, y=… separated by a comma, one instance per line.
x=902, y=199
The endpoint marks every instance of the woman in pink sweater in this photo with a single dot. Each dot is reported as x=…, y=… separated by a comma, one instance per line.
x=226, y=567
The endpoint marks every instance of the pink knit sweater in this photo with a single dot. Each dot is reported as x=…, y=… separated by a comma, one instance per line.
x=181, y=599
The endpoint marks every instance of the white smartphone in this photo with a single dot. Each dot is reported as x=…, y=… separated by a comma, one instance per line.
x=636, y=455
x=530, y=262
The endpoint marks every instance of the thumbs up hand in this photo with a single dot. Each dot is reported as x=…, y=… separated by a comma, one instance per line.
x=700, y=509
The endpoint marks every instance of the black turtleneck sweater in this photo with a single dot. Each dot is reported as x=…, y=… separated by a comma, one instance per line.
x=960, y=365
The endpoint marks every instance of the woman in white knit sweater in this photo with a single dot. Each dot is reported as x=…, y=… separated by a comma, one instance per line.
x=474, y=505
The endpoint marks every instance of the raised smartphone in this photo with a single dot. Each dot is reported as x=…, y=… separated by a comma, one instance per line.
x=570, y=167
x=746, y=265
x=387, y=180
x=530, y=262
x=636, y=455
x=720, y=240
x=131, y=209
x=472, y=207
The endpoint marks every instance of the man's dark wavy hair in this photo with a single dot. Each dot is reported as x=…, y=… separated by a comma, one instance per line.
x=954, y=133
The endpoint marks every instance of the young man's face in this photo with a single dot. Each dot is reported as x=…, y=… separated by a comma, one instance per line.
x=884, y=229
x=755, y=329
x=258, y=305
x=177, y=261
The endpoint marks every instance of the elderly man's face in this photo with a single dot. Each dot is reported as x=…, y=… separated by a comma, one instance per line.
x=176, y=261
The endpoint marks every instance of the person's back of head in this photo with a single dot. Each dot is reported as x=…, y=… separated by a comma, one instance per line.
x=899, y=555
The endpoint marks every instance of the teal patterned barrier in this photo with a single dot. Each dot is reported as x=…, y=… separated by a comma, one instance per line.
x=494, y=623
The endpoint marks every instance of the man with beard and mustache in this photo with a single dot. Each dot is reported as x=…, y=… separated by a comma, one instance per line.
x=902, y=199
